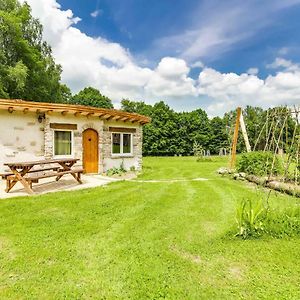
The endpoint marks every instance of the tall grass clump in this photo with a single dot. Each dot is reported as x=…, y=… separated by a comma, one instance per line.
x=260, y=163
x=250, y=216
x=255, y=218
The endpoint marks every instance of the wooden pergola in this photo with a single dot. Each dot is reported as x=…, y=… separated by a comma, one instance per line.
x=17, y=105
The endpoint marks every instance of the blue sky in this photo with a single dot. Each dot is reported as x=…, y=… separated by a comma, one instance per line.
x=212, y=54
x=139, y=24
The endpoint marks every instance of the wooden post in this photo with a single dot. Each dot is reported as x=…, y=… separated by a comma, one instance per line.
x=244, y=132
x=235, y=137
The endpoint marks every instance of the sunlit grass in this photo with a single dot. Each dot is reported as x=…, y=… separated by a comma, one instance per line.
x=144, y=240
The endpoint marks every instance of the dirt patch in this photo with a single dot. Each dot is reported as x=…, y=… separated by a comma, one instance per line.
x=236, y=272
x=209, y=227
x=186, y=255
x=6, y=248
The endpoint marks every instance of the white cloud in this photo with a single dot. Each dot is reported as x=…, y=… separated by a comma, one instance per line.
x=96, y=13
x=89, y=61
x=252, y=71
x=198, y=64
x=170, y=67
x=170, y=78
x=54, y=20
x=229, y=90
x=283, y=63
x=107, y=65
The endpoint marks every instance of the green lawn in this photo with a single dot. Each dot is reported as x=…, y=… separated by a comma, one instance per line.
x=143, y=240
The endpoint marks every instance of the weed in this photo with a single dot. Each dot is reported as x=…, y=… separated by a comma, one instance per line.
x=250, y=214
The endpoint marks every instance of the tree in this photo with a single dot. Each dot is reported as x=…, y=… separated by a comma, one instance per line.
x=91, y=97
x=219, y=137
x=27, y=68
x=136, y=107
x=170, y=132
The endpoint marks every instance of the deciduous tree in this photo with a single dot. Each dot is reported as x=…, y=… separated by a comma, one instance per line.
x=91, y=97
x=27, y=67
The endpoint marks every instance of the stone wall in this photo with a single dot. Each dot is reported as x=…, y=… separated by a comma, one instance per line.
x=82, y=123
x=135, y=160
x=138, y=146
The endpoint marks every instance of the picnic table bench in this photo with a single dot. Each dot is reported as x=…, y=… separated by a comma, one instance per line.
x=25, y=173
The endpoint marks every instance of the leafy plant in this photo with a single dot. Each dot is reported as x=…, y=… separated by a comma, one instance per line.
x=250, y=214
x=122, y=168
x=115, y=171
x=132, y=168
x=259, y=163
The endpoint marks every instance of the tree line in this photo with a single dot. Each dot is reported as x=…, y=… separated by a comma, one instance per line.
x=174, y=133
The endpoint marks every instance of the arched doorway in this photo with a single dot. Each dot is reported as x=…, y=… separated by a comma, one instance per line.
x=90, y=156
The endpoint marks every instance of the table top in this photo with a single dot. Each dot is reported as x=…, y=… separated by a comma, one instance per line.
x=41, y=162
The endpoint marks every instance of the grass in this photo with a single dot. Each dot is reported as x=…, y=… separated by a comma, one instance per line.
x=139, y=240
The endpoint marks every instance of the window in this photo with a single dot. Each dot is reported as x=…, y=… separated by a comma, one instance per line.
x=116, y=143
x=126, y=143
x=122, y=143
x=62, y=142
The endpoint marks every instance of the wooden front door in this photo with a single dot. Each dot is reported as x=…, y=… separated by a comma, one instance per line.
x=90, y=151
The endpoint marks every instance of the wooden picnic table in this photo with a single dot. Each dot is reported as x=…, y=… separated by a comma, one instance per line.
x=23, y=172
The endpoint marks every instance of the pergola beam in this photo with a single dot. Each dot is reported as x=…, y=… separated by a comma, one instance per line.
x=11, y=106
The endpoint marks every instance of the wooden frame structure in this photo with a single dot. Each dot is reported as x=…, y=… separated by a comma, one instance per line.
x=41, y=108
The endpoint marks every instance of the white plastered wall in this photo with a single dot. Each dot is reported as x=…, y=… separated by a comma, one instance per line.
x=21, y=137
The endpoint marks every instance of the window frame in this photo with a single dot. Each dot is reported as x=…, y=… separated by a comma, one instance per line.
x=72, y=144
x=122, y=154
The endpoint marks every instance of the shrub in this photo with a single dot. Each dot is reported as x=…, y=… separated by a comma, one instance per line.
x=259, y=163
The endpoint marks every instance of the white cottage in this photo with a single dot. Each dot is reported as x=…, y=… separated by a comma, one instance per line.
x=100, y=138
